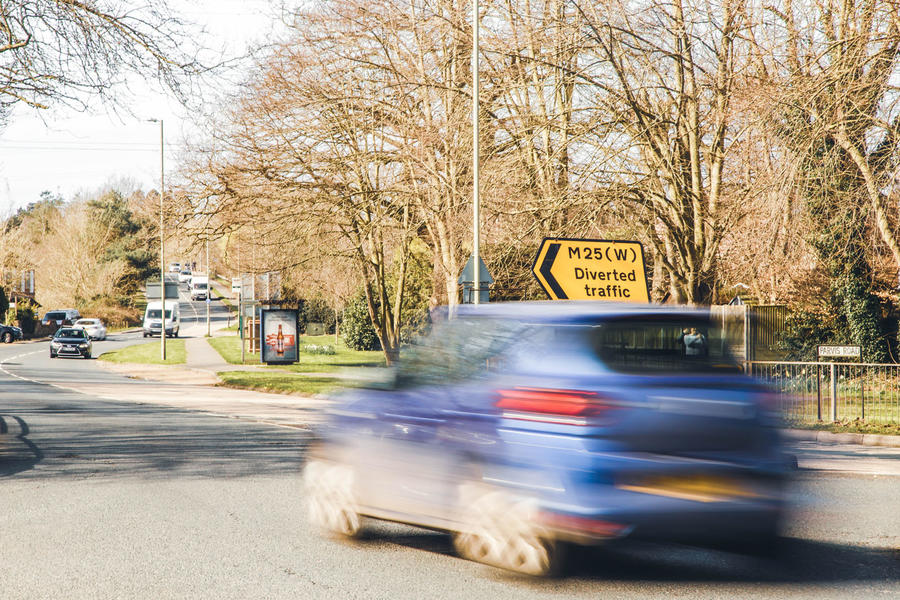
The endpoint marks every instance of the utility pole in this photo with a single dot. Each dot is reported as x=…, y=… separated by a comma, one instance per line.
x=476, y=229
x=208, y=281
x=162, y=262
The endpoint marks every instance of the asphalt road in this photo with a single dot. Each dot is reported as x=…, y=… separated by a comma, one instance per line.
x=117, y=499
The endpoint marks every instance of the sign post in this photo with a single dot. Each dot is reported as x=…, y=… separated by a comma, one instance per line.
x=585, y=269
x=833, y=351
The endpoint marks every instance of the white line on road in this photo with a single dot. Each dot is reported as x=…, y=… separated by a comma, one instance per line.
x=5, y=360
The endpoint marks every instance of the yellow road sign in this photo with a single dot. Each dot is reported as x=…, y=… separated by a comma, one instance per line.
x=579, y=269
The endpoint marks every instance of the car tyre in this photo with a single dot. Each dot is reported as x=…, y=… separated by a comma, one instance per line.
x=330, y=497
x=52, y=355
x=8, y=337
x=503, y=530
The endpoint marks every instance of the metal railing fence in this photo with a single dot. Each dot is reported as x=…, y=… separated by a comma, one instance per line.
x=830, y=391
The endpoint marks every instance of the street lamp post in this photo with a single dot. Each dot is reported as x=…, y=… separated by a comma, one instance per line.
x=476, y=227
x=208, y=281
x=162, y=263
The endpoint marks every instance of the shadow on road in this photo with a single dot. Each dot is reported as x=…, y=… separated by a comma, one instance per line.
x=108, y=439
x=799, y=561
x=17, y=452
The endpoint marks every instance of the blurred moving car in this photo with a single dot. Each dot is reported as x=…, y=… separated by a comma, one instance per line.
x=70, y=341
x=95, y=328
x=10, y=333
x=60, y=317
x=526, y=428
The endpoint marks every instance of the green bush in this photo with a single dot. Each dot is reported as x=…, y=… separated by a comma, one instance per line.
x=804, y=330
x=357, y=329
x=316, y=310
x=26, y=318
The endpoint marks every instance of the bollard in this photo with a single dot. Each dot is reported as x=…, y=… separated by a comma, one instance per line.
x=834, y=411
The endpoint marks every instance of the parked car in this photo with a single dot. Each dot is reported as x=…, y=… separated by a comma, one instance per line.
x=523, y=428
x=10, y=333
x=95, y=328
x=70, y=341
x=60, y=317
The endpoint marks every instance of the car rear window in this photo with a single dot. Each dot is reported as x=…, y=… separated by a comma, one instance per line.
x=662, y=345
x=457, y=350
x=55, y=316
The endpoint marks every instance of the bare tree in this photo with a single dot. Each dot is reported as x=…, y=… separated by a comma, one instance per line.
x=64, y=50
x=304, y=164
x=663, y=75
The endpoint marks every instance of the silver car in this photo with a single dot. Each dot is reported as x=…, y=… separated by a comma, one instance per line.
x=95, y=328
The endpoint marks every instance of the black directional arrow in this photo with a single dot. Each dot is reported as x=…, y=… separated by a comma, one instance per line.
x=546, y=265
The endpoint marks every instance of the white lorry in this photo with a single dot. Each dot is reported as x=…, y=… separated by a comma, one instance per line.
x=199, y=287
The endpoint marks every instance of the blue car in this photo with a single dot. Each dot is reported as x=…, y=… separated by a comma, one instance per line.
x=524, y=429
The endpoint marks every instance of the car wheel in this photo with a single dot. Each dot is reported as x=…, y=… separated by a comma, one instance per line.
x=503, y=530
x=88, y=356
x=8, y=338
x=331, y=502
x=52, y=355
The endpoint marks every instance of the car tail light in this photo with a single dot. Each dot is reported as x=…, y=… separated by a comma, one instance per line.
x=564, y=407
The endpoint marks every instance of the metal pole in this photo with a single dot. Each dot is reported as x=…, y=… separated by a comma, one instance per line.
x=819, y=393
x=162, y=262
x=834, y=410
x=208, y=281
x=476, y=229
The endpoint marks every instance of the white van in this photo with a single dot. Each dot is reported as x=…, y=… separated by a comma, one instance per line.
x=199, y=287
x=153, y=318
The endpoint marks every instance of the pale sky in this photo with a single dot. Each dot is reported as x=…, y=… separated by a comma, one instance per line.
x=65, y=152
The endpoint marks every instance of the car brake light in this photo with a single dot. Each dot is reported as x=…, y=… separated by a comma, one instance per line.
x=564, y=407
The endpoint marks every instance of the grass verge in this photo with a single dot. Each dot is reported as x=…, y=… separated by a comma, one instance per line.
x=856, y=426
x=279, y=382
x=148, y=354
x=230, y=349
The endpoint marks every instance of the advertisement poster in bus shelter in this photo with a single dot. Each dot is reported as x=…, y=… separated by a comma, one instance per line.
x=279, y=332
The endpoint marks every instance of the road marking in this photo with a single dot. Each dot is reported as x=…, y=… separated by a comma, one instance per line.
x=5, y=360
